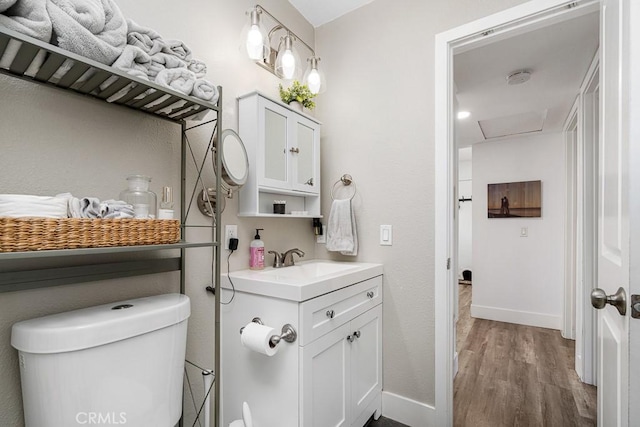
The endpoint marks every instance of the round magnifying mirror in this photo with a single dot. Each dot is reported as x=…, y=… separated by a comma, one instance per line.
x=235, y=163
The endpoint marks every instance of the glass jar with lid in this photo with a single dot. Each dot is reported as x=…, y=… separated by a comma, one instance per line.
x=139, y=196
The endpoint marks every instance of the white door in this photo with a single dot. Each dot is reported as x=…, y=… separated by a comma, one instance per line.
x=613, y=217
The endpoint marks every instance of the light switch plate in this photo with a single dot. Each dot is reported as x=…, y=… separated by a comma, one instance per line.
x=524, y=232
x=230, y=231
x=386, y=235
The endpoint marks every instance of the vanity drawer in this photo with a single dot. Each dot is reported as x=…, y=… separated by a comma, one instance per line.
x=325, y=313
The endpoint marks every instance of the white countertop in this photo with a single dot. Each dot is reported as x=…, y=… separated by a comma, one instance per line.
x=303, y=281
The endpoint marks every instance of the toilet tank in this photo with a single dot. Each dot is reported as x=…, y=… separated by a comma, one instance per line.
x=114, y=364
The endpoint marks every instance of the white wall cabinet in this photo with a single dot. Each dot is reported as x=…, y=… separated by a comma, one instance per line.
x=330, y=376
x=283, y=146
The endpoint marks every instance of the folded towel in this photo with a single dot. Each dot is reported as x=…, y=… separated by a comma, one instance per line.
x=144, y=38
x=73, y=205
x=113, y=209
x=21, y=205
x=161, y=61
x=198, y=67
x=205, y=90
x=178, y=79
x=177, y=48
x=28, y=17
x=95, y=29
x=341, y=229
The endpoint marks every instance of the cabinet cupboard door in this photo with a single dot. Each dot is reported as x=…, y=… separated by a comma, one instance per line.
x=325, y=382
x=366, y=362
x=274, y=163
x=305, y=161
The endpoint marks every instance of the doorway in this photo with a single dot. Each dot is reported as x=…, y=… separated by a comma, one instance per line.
x=478, y=34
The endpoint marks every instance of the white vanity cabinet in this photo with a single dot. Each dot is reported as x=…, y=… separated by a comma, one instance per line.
x=283, y=146
x=330, y=376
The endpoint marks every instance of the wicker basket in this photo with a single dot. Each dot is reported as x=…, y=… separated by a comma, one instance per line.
x=38, y=234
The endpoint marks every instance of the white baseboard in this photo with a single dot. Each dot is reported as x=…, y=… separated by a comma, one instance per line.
x=407, y=411
x=519, y=317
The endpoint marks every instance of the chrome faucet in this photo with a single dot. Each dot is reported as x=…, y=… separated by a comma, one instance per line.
x=277, y=259
x=287, y=257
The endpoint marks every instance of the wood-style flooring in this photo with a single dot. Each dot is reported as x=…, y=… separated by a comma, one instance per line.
x=513, y=375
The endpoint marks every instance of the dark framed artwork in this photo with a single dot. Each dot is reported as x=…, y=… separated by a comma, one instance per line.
x=515, y=200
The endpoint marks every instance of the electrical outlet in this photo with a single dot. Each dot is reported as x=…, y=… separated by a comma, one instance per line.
x=323, y=237
x=230, y=231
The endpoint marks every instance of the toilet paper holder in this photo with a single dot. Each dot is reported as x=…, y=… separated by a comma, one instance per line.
x=288, y=333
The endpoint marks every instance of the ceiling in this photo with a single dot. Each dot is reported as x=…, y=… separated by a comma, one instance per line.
x=319, y=12
x=558, y=57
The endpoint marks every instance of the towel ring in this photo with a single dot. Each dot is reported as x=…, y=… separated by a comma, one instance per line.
x=346, y=180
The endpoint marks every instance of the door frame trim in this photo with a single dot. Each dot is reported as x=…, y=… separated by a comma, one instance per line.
x=508, y=23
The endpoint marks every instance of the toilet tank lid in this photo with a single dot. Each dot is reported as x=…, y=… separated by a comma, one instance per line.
x=99, y=325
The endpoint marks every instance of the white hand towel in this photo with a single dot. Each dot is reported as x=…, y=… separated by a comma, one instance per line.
x=161, y=61
x=198, y=67
x=177, y=48
x=341, y=230
x=90, y=207
x=145, y=38
x=73, y=205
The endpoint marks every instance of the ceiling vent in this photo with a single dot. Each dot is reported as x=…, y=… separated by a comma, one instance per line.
x=513, y=125
x=518, y=77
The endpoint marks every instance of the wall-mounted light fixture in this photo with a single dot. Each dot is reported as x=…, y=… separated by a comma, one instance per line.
x=282, y=60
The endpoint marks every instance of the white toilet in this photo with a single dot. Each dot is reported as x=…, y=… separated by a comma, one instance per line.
x=115, y=364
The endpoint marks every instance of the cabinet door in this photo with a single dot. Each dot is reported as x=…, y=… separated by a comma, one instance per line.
x=306, y=155
x=325, y=388
x=366, y=363
x=273, y=163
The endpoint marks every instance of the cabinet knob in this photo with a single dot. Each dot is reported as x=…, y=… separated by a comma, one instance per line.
x=370, y=294
x=309, y=182
x=356, y=334
x=350, y=338
x=294, y=150
x=330, y=314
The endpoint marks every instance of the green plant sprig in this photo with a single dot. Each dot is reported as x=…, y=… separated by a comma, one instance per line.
x=298, y=92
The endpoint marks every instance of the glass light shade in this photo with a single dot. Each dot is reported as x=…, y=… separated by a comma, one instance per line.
x=253, y=36
x=313, y=77
x=288, y=60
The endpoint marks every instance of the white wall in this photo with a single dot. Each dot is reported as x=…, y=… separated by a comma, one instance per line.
x=519, y=279
x=55, y=141
x=378, y=120
x=465, y=219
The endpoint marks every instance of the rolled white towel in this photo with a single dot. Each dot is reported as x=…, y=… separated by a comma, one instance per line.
x=161, y=61
x=198, y=67
x=177, y=48
x=22, y=205
x=145, y=38
x=205, y=90
x=178, y=79
x=73, y=205
x=95, y=29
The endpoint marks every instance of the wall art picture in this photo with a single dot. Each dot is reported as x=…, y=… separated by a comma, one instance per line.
x=515, y=200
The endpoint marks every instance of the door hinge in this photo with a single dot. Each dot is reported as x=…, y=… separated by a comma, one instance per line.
x=448, y=263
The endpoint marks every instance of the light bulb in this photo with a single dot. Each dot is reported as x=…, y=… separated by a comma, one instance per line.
x=288, y=64
x=254, y=43
x=313, y=81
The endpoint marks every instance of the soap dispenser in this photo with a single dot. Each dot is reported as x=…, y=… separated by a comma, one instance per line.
x=256, y=259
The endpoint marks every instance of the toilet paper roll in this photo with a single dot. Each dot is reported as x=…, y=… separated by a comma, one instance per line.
x=257, y=337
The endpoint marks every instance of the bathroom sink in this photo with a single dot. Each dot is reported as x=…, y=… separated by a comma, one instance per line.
x=303, y=281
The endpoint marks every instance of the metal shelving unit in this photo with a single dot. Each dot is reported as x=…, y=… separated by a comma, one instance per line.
x=89, y=78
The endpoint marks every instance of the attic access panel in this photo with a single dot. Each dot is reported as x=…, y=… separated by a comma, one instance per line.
x=516, y=124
